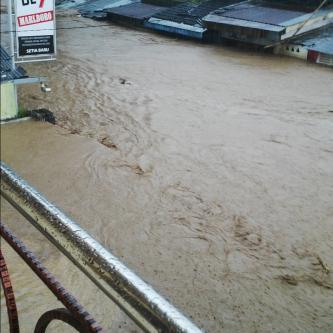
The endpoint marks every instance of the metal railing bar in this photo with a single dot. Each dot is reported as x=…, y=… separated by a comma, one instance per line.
x=64, y=296
x=138, y=300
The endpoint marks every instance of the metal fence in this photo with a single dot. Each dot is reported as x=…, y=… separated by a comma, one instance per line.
x=150, y=311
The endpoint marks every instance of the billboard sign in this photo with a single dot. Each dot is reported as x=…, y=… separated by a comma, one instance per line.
x=35, y=28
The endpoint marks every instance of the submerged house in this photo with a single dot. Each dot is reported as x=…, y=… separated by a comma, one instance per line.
x=185, y=19
x=134, y=14
x=266, y=23
x=290, y=27
x=314, y=47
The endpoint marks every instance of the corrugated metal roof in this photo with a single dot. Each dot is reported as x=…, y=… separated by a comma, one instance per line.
x=192, y=14
x=94, y=8
x=307, y=4
x=7, y=72
x=178, y=14
x=320, y=40
x=140, y=11
x=224, y=21
x=259, y=13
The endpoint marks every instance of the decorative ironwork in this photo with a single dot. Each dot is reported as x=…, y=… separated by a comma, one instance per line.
x=61, y=314
x=74, y=314
x=9, y=296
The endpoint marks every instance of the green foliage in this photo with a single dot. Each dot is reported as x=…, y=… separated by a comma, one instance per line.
x=22, y=112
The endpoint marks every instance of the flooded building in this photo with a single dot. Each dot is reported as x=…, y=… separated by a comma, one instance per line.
x=266, y=23
x=263, y=23
x=133, y=14
x=315, y=47
x=186, y=18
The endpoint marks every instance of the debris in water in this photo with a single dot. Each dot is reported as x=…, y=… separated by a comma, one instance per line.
x=137, y=169
x=323, y=265
x=106, y=141
x=74, y=131
x=123, y=81
x=322, y=283
x=42, y=115
x=289, y=279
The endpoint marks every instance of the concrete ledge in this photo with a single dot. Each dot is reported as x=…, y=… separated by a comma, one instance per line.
x=14, y=120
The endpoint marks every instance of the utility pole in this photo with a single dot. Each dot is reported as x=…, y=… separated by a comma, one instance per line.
x=11, y=45
x=11, y=29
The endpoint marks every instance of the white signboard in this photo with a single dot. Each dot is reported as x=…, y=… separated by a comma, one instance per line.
x=35, y=26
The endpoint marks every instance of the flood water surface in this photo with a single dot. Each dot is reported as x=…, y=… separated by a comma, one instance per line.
x=207, y=170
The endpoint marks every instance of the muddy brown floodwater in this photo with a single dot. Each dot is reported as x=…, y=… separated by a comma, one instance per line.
x=207, y=170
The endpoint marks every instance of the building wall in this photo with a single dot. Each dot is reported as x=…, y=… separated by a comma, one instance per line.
x=292, y=50
x=8, y=101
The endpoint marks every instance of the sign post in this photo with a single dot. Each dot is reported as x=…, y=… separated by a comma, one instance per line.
x=10, y=23
x=35, y=30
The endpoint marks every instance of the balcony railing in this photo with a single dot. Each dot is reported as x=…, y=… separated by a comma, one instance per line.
x=149, y=310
